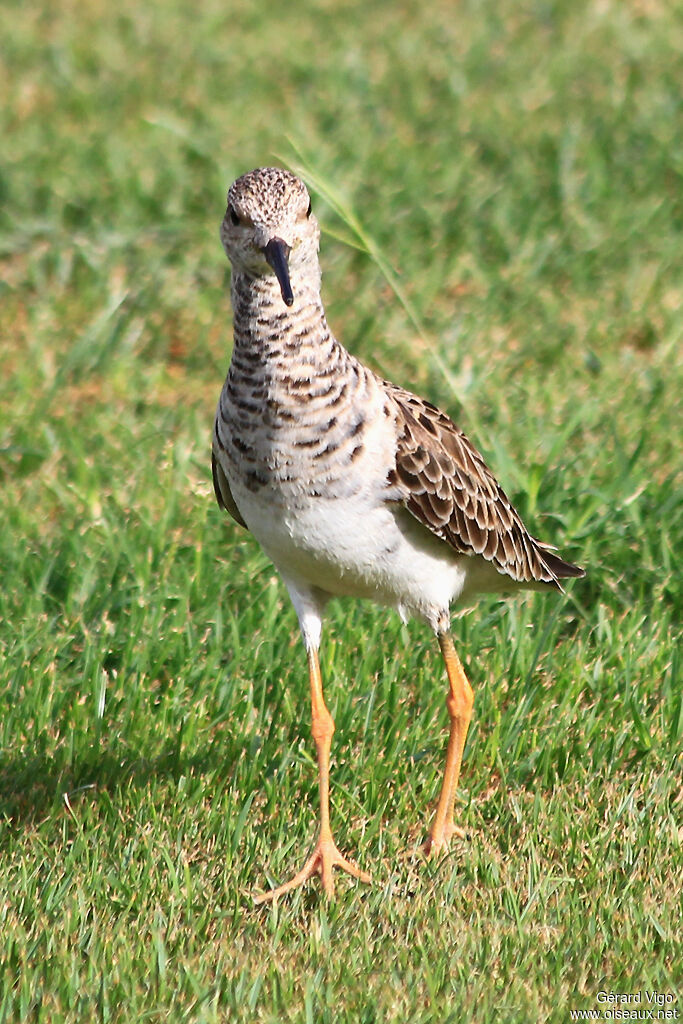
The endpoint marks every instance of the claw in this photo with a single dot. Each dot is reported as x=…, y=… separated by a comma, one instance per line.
x=325, y=857
x=438, y=843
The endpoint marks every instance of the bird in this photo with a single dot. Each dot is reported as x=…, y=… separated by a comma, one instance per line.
x=352, y=485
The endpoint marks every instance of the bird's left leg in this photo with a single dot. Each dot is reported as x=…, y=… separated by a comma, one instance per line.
x=459, y=703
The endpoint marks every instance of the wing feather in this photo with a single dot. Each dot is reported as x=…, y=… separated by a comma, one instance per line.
x=223, y=493
x=447, y=486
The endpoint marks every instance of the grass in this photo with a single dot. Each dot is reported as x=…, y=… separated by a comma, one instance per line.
x=509, y=178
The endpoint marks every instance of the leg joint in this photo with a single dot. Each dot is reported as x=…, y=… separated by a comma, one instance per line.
x=323, y=726
x=460, y=703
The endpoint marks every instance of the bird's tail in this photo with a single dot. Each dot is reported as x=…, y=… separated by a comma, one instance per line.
x=560, y=569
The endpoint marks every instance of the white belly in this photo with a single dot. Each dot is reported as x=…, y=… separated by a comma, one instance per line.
x=357, y=546
x=342, y=537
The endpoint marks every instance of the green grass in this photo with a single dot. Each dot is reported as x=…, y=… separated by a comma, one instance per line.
x=509, y=178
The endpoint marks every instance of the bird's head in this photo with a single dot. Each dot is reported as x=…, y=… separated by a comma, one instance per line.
x=269, y=229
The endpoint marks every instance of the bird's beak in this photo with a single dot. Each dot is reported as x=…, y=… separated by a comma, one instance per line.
x=277, y=255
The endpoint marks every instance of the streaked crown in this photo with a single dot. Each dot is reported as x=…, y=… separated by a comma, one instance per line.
x=269, y=196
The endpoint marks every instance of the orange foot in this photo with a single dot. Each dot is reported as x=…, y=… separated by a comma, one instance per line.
x=438, y=840
x=325, y=857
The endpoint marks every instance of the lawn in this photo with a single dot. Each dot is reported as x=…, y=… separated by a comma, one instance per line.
x=499, y=187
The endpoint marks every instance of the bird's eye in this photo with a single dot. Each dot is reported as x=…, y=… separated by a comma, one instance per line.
x=310, y=207
x=233, y=216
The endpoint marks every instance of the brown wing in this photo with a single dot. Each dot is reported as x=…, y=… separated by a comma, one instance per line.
x=448, y=487
x=222, y=491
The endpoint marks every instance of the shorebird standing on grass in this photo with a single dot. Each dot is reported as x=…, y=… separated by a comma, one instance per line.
x=352, y=485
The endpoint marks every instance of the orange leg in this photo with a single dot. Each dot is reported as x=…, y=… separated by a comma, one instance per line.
x=459, y=703
x=326, y=855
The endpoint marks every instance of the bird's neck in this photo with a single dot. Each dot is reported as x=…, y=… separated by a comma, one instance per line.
x=283, y=341
x=288, y=375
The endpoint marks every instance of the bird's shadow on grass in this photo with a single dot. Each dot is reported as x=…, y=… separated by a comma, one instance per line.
x=34, y=787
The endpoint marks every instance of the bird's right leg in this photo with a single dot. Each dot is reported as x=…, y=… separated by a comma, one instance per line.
x=326, y=855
